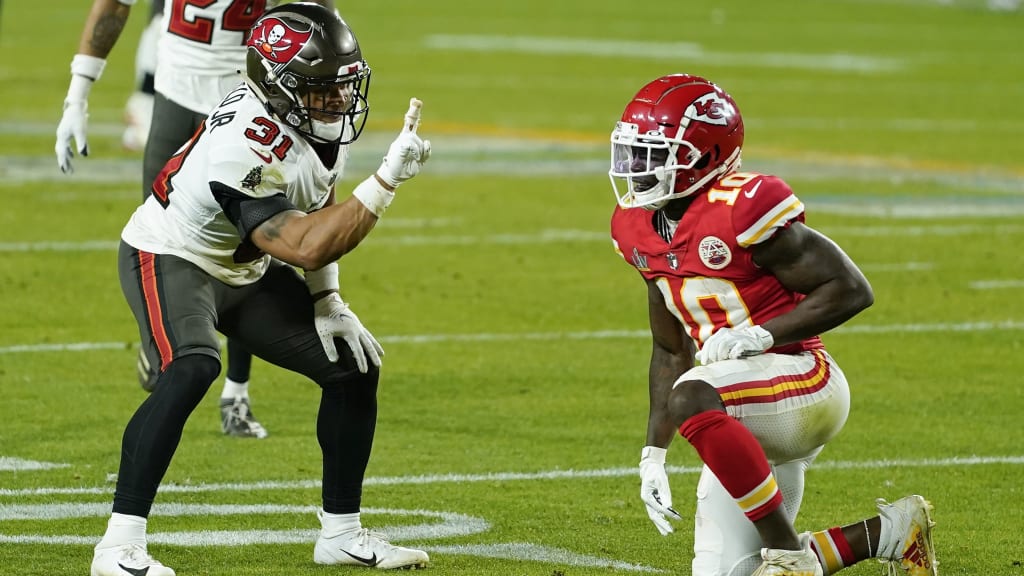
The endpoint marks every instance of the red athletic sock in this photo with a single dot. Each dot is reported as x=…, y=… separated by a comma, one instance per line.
x=734, y=455
x=833, y=550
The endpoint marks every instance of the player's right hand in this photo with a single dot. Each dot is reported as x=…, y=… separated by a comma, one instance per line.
x=655, y=491
x=408, y=152
x=335, y=319
x=73, y=124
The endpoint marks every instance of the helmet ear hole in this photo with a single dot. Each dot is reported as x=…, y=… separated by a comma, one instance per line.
x=704, y=160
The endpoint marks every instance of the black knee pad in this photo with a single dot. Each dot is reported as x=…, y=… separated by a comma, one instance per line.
x=198, y=367
x=189, y=375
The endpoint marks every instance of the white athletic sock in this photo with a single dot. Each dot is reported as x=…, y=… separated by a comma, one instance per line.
x=334, y=524
x=123, y=529
x=234, y=389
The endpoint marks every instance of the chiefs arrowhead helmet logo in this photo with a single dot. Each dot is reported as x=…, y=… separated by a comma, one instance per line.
x=711, y=108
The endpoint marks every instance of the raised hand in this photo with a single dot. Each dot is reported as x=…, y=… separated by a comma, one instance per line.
x=408, y=152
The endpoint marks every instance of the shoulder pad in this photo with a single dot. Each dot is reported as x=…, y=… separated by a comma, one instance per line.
x=763, y=205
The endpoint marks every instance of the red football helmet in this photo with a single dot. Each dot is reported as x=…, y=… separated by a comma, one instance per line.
x=679, y=134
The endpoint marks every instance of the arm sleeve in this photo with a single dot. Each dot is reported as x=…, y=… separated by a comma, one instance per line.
x=247, y=212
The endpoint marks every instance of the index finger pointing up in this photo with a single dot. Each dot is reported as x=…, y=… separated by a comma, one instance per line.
x=412, y=117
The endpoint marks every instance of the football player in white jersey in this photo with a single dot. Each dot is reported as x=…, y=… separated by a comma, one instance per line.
x=138, y=110
x=248, y=200
x=199, y=51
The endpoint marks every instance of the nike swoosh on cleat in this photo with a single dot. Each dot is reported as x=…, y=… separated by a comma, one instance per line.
x=752, y=191
x=371, y=561
x=134, y=571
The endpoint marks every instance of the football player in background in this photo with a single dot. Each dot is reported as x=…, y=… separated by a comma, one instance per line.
x=138, y=110
x=199, y=54
x=732, y=271
x=248, y=200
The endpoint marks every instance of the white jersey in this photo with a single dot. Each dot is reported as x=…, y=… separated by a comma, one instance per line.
x=202, y=49
x=242, y=147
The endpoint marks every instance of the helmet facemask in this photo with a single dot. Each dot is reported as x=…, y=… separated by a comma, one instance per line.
x=326, y=110
x=646, y=165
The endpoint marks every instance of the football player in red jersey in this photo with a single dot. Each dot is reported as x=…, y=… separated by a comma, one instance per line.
x=737, y=281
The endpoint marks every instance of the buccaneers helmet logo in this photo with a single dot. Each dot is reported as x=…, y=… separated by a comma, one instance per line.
x=277, y=41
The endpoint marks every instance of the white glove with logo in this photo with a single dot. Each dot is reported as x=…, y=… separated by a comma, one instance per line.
x=408, y=152
x=733, y=343
x=334, y=319
x=654, y=489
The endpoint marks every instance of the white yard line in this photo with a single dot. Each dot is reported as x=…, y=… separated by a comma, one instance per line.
x=675, y=51
x=897, y=267
x=993, y=326
x=8, y=464
x=549, y=236
x=996, y=284
x=950, y=462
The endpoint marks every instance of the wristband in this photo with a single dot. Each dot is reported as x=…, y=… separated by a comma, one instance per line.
x=654, y=454
x=89, y=66
x=324, y=279
x=375, y=197
x=126, y=2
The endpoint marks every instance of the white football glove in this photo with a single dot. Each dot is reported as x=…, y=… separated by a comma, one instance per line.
x=408, y=152
x=654, y=489
x=334, y=319
x=73, y=124
x=733, y=343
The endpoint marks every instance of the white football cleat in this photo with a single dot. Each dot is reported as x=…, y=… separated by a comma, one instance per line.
x=802, y=562
x=362, y=547
x=127, y=560
x=911, y=550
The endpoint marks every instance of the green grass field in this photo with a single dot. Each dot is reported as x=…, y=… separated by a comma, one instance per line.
x=513, y=394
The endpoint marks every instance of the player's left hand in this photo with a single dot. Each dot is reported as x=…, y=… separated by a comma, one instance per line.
x=408, y=152
x=334, y=319
x=733, y=343
x=73, y=124
x=654, y=489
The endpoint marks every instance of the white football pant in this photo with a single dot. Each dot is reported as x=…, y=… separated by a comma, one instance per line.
x=793, y=404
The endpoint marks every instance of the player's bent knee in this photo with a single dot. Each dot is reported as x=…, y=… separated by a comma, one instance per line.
x=198, y=367
x=185, y=381
x=338, y=377
x=192, y=371
x=691, y=397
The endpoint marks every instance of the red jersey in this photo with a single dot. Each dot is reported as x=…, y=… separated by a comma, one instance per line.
x=707, y=273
